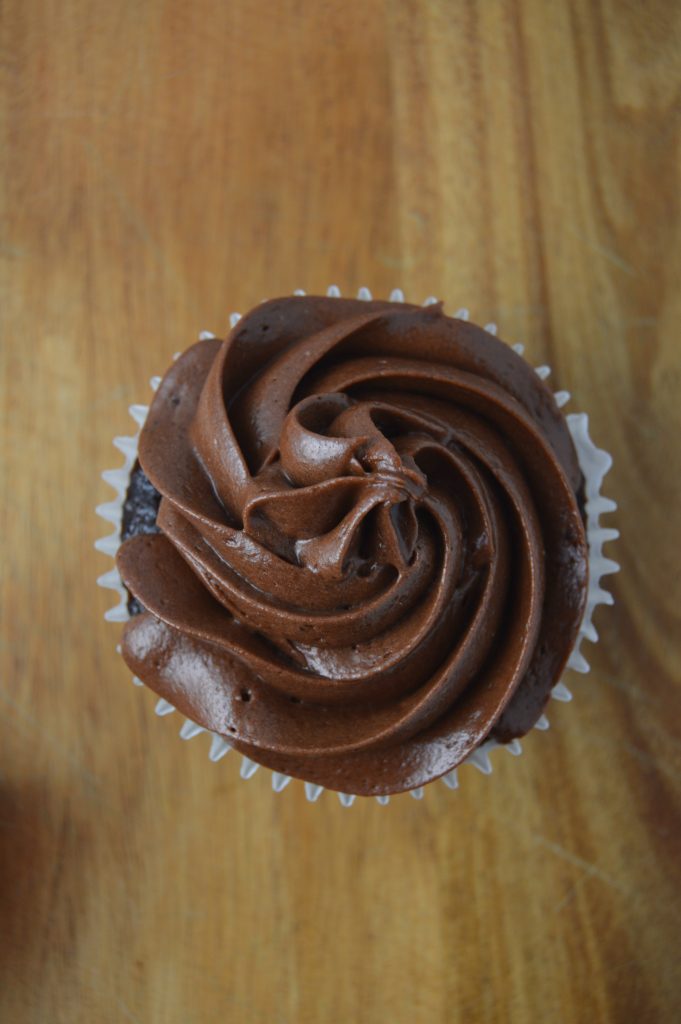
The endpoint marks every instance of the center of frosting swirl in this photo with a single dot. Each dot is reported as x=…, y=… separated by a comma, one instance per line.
x=363, y=517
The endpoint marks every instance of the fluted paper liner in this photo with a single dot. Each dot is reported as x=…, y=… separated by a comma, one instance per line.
x=594, y=463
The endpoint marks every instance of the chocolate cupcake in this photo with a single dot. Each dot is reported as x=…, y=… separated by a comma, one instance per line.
x=357, y=542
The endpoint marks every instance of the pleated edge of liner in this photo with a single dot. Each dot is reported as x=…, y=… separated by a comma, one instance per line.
x=594, y=462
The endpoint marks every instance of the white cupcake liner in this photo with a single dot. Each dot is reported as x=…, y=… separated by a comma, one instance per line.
x=594, y=463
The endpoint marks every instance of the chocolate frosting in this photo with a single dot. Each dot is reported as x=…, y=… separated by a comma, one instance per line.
x=371, y=555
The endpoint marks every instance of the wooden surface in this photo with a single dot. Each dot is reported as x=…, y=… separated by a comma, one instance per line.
x=165, y=163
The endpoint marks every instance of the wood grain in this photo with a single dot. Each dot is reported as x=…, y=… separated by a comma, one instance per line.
x=165, y=163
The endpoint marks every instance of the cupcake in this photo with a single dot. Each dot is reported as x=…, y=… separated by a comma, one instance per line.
x=358, y=542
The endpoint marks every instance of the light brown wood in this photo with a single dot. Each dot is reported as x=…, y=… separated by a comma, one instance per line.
x=165, y=163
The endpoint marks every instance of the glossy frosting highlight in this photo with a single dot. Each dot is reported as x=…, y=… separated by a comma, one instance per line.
x=371, y=554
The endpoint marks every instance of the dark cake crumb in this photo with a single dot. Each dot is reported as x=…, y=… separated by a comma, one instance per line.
x=140, y=509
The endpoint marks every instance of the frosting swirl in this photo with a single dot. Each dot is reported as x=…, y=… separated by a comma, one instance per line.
x=371, y=553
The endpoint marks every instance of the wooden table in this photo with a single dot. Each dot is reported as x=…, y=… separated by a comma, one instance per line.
x=166, y=163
